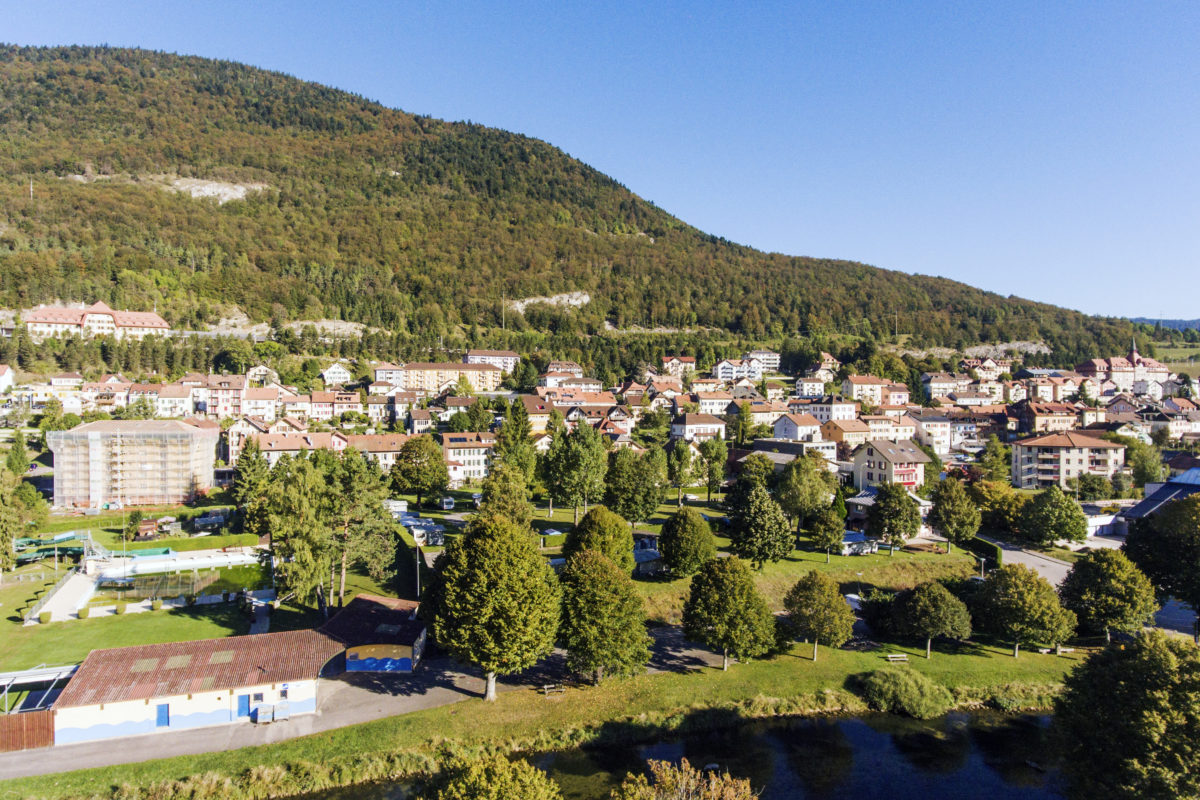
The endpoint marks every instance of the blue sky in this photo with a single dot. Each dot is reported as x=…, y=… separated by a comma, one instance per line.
x=1047, y=150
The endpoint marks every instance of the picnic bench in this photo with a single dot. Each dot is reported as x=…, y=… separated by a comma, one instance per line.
x=553, y=688
x=894, y=658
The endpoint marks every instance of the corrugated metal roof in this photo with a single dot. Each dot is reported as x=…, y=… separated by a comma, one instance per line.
x=161, y=670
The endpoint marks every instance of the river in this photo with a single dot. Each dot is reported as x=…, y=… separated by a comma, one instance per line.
x=862, y=758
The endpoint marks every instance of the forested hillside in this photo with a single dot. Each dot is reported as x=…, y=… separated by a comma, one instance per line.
x=407, y=223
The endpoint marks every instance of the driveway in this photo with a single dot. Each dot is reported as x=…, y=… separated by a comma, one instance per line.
x=344, y=699
x=1052, y=569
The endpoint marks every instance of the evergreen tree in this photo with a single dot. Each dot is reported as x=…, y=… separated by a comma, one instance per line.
x=363, y=531
x=761, y=532
x=479, y=417
x=420, y=468
x=1128, y=721
x=679, y=468
x=513, y=441
x=1020, y=605
x=954, y=514
x=504, y=492
x=635, y=483
x=725, y=611
x=827, y=530
x=298, y=522
x=1052, y=516
x=995, y=459
x=604, y=618
x=17, y=459
x=499, y=600
x=686, y=542
x=894, y=517
x=930, y=611
x=10, y=521
x=605, y=532
x=1107, y=592
x=817, y=611
x=714, y=453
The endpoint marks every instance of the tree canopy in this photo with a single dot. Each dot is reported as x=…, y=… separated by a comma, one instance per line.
x=604, y=618
x=817, y=611
x=1022, y=606
x=1108, y=593
x=686, y=542
x=725, y=611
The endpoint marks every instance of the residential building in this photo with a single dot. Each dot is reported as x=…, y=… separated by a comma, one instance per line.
x=798, y=428
x=1034, y=417
x=506, y=360
x=382, y=448
x=1056, y=458
x=174, y=400
x=732, y=369
x=879, y=461
x=468, y=456
x=389, y=373
x=96, y=320
x=678, y=366
x=693, y=427
x=848, y=432
x=832, y=407
x=1125, y=371
x=810, y=387
x=276, y=445
x=574, y=369
x=132, y=462
x=866, y=389
x=337, y=374
x=934, y=431
x=940, y=384
x=768, y=358
x=260, y=401
x=988, y=369
x=435, y=378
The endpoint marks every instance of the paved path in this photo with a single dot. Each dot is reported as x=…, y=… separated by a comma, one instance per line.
x=69, y=596
x=262, y=618
x=346, y=699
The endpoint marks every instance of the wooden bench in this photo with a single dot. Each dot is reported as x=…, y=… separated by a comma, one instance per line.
x=894, y=658
x=553, y=688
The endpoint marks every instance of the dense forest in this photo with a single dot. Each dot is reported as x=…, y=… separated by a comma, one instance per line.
x=414, y=225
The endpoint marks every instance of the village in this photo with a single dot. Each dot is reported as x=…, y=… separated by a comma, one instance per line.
x=175, y=450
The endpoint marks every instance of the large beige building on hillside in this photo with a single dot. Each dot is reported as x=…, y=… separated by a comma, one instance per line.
x=1056, y=458
x=132, y=462
x=434, y=378
x=95, y=320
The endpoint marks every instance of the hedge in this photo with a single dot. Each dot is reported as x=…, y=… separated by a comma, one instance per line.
x=994, y=553
x=199, y=542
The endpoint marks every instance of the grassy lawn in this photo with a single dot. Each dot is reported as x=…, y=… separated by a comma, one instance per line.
x=625, y=708
x=664, y=598
x=69, y=642
x=22, y=588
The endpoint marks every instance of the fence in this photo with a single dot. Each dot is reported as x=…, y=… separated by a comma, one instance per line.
x=26, y=730
x=37, y=607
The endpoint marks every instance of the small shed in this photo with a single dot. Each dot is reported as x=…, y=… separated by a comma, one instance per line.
x=382, y=634
x=858, y=544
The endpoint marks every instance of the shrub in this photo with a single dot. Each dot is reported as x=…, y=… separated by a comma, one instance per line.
x=83, y=612
x=44, y=617
x=878, y=607
x=120, y=608
x=156, y=604
x=191, y=600
x=900, y=690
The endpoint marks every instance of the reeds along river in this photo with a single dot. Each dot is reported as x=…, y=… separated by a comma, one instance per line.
x=856, y=758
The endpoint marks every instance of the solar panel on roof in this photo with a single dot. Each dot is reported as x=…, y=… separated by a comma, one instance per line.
x=221, y=657
x=144, y=665
x=175, y=662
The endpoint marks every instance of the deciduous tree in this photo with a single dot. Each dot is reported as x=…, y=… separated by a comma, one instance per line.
x=1129, y=719
x=760, y=531
x=894, y=517
x=714, y=453
x=499, y=600
x=1022, y=606
x=930, y=611
x=725, y=611
x=805, y=487
x=420, y=468
x=492, y=777
x=827, y=530
x=686, y=542
x=1167, y=548
x=1108, y=593
x=817, y=611
x=604, y=618
x=683, y=782
x=954, y=513
x=635, y=483
x=679, y=468
x=1052, y=516
x=605, y=532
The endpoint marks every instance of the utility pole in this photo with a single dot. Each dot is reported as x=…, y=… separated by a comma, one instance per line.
x=31, y=188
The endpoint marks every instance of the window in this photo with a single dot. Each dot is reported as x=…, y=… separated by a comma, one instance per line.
x=283, y=693
x=256, y=697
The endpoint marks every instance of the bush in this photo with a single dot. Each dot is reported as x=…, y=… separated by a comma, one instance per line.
x=83, y=612
x=120, y=608
x=156, y=604
x=191, y=600
x=992, y=552
x=878, y=611
x=44, y=617
x=900, y=690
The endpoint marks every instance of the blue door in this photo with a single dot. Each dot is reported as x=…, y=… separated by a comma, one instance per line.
x=243, y=705
x=164, y=716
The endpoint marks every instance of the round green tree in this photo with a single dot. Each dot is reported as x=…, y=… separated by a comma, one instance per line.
x=498, y=604
x=760, y=531
x=605, y=532
x=1108, y=593
x=894, y=516
x=420, y=468
x=1052, y=516
x=1128, y=721
x=954, y=513
x=686, y=542
x=604, y=618
x=930, y=611
x=827, y=530
x=817, y=611
x=1022, y=606
x=493, y=777
x=725, y=611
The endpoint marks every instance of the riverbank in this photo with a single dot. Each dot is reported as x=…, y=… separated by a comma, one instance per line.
x=525, y=721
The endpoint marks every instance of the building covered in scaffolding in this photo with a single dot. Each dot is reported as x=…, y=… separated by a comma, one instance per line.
x=132, y=463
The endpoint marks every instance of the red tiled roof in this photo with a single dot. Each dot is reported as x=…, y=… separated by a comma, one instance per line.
x=164, y=670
